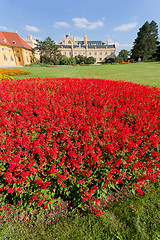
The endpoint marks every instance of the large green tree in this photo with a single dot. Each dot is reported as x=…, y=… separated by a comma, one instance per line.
x=49, y=52
x=123, y=55
x=145, y=44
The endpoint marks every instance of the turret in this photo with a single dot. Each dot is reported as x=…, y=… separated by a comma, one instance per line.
x=85, y=39
x=107, y=41
x=29, y=36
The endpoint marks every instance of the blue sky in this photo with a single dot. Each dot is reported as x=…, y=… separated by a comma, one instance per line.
x=119, y=20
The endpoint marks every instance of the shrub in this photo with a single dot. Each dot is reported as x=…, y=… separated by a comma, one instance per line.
x=109, y=60
x=76, y=140
x=90, y=60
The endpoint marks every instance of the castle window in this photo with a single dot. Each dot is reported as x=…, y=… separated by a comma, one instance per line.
x=90, y=53
x=19, y=59
x=2, y=48
x=5, y=58
x=12, y=58
x=17, y=51
x=95, y=53
x=106, y=53
x=27, y=59
x=100, y=53
x=14, y=42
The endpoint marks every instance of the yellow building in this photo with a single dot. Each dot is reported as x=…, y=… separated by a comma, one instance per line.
x=97, y=49
x=14, y=51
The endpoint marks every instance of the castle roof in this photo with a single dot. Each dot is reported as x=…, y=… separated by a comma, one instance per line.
x=91, y=42
x=89, y=46
x=13, y=39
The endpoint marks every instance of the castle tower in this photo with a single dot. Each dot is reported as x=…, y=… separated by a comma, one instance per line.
x=107, y=41
x=29, y=36
x=85, y=39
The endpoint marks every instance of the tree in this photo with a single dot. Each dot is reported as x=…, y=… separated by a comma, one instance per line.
x=123, y=55
x=145, y=44
x=64, y=60
x=118, y=59
x=71, y=60
x=157, y=53
x=49, y=52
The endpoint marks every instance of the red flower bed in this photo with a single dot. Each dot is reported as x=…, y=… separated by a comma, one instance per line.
x=124, y=63
x=76, y=139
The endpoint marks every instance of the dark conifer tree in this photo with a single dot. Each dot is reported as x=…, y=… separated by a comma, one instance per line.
x=145, y=44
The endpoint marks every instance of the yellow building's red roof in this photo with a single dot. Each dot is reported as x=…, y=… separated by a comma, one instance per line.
x=13, y=39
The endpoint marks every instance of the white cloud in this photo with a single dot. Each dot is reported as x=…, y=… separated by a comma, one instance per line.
x=126, y=45
x=61, y=24
x=3, y=28
x=77, y=38
x=126, y=27
x=84, y=23
x=31, y=28
x=80, y=22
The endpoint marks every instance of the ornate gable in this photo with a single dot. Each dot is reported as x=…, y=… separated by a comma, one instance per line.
x=69, y=40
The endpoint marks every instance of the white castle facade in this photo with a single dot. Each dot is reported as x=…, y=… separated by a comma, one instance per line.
x=70, y=47
x=97, y=49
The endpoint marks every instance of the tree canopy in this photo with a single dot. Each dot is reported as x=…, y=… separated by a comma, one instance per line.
x=145, y=44
x=123, y=55
x=49, y=52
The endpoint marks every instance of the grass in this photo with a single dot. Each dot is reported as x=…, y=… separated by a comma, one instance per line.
x=141, y=73
x=130, y=218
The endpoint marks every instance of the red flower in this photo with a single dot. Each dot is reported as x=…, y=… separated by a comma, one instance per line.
x=34, y=197
x=40, y=202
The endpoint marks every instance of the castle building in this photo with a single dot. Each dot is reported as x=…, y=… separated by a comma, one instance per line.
x=97, y=49
x=14, y=51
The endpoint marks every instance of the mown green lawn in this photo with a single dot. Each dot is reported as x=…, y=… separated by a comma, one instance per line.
x=132, y=218
x=142, y=73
